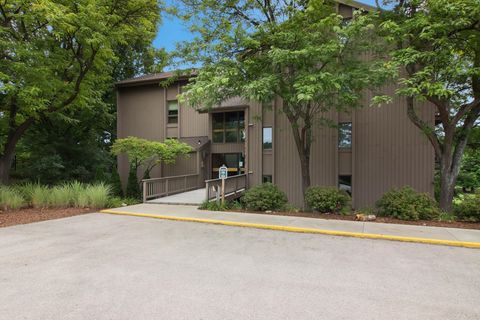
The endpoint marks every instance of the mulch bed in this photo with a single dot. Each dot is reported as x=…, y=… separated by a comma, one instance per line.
x=455, y=224
x=28, y=215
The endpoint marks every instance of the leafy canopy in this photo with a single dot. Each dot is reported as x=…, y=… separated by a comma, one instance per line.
x=57, y=54
x=142, y=152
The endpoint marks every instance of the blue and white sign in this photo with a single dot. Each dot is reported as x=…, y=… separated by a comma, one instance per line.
x=223, y=172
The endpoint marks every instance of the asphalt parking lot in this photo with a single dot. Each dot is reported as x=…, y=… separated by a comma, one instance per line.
x=100, y=266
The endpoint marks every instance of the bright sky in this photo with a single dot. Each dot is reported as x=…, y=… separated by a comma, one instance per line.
x=172, y=30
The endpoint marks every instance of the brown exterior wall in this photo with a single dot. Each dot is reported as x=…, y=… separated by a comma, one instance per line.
x=387, y=150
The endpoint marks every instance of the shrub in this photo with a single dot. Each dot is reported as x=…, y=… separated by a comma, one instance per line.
x=407, y=204
x=11, y=199
x=327, y=199
x=469, y=208
x=133, y=188
x=266, y=196
x=213, y=206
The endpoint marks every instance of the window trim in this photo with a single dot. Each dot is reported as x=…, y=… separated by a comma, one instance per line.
x=349, y=147
x=263, y=138
x=238, y=129
x=173, y=116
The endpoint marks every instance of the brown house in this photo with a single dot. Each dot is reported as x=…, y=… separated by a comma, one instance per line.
x=371, y=151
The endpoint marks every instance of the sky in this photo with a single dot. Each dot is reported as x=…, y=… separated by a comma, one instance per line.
x=172, y=30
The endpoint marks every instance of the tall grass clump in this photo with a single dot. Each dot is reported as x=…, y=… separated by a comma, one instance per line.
x=40, y=196
x=61, y=196
x=95, y=196
x=11, y=199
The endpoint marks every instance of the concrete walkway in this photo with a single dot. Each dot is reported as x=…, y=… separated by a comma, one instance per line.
x=194, y=197
x=186, y=213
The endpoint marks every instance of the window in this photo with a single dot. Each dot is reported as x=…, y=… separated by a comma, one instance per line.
x=172, y=112
x=345, y=183
x=345, y=135
x=267, y=178
x=228, y=127
x=267, y=138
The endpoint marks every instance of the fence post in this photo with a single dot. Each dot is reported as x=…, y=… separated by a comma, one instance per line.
x=207, y=192
x=185, y=183
x=144, y=185
x=166, y=187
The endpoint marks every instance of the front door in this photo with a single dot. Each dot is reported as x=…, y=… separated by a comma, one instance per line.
x=235, y=163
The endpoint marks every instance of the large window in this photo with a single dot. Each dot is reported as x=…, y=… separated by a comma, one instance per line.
x=267, y=138
x=172, y=112
x=229, y=127
x=345, y=135
x=345, y=183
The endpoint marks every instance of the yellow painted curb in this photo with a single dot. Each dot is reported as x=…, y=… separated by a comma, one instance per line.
x=303, y=230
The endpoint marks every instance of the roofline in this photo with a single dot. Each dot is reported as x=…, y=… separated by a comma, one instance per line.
x=357, y=4
x=155, y=78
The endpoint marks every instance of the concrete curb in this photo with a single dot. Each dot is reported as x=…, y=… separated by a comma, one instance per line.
x=452, y=243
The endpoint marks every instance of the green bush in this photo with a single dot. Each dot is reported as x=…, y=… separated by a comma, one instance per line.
x=61, y=196
x=11, y=199
x=327, y=199
x=469, y=208
x=266, y=196
x=133, y=188
x=407, y=204
x=214, y=206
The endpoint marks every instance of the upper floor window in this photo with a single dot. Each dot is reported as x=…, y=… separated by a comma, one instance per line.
x=172, y=112
x=228, y=127
x=267, y=138
x=345, y=135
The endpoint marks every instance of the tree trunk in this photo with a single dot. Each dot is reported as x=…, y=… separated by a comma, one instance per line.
x=447, y=189
x=5, y=166
x=9, y=150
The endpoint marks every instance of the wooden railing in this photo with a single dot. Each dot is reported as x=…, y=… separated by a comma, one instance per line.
x=159, y=187
x=234, y=186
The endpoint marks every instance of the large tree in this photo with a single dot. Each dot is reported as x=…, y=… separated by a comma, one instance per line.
x=300, y=51
x=436, y=44
x=59, y=54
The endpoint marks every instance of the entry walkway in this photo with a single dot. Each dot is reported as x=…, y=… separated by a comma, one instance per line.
x=372, y=230
x=195, y=197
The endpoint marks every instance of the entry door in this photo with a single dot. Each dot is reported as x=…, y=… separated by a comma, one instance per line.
x=235, y=163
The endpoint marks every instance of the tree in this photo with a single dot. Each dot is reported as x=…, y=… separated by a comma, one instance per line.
x=436, y=43
x=57, y=55
x=145, y=154
x=299, y=51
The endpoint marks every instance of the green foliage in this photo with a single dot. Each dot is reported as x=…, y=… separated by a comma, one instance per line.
x=469, y=208
x=446, y=217
x=73, y=194
x=117, y=202
x=435, y=45
x=407, y=204
x=116, y=183
x=11, y=199
x=266, y=196
x=214, y=206
x=133, y=187
x=327, y=199
x=148, y=154
x=304, y=54
x=62, y=57
x=469, y=177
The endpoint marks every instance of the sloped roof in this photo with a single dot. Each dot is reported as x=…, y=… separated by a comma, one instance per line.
x=152, y=78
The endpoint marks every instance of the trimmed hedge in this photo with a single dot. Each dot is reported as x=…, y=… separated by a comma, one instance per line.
x=327, y=199
x=263, y=197
x=407, y=204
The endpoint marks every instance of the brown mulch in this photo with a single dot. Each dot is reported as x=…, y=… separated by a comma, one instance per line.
x=351, y=217
x=28, y=215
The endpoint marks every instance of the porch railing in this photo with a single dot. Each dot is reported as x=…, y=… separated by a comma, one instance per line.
x=159, y=187
x=234, y=185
